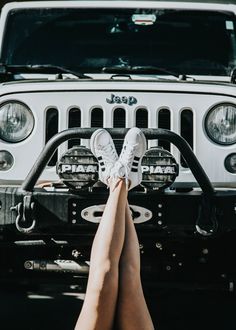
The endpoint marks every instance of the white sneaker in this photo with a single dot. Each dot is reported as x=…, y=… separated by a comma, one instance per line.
x=129, y=162
x=103, y=148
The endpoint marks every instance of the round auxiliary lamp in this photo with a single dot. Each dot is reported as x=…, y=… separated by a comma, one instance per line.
x=78, y=168
x=159, y=169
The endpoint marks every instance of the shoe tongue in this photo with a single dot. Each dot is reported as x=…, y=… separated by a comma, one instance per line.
x=118, y=171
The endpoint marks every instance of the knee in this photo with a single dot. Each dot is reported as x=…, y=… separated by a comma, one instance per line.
x=106, y=268
x=131, y=272
x=107, y=273
x=130, y=266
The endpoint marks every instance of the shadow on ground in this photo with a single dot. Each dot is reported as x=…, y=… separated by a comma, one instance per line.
x=29, y=310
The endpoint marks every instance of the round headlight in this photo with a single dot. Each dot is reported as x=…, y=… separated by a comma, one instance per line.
x=16, y=121
x=220, y=124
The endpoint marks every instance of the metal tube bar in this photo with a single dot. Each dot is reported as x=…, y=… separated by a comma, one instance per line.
x=150, y=133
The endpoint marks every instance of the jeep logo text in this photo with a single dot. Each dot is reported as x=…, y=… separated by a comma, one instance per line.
x=130, y=100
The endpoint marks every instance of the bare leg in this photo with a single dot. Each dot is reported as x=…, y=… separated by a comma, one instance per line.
x=132, y=312
x=99, y=306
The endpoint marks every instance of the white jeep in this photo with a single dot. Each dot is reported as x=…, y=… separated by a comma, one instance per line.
x=68, y=67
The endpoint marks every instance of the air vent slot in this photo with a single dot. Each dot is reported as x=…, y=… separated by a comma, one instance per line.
x=142, y=118
x=51, y=130
x=74, y=120
x=118, y=122
x=186, y=131
x=97, y=117
x=164, y=122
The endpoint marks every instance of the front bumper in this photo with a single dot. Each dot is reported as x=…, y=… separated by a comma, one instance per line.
x=188, y=241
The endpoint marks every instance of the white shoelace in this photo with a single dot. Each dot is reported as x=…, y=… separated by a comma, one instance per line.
x=127, y=156
x=122, y=167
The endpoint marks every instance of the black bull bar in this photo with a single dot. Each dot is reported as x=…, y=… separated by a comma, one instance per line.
x=202, y=210
x=162, y=134
x=118, y=133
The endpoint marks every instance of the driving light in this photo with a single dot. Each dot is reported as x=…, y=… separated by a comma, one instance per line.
x=220, y=124
x=230, y=163
x=159, y=168
x=16, y=121
x=78, y=168
x=6, y=160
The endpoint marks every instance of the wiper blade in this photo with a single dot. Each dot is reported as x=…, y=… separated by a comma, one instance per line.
x=144, y=69
x=39, y=68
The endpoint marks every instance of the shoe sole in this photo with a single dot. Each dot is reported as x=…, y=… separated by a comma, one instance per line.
x=144, y=144
x=143, y=150
x=93, y=137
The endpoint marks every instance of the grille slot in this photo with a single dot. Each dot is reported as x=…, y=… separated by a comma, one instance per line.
x=51, y=130
x=118, y=121
x=142, y=118
x=74, y=120
x=97, y=117
x=186, y=131
x=164, y=122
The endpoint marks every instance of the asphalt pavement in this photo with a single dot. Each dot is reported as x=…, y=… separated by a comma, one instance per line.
x=170, y=310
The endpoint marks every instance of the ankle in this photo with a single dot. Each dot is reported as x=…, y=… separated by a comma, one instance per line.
x=116, y=182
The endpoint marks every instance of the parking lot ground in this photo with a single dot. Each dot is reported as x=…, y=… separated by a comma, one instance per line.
x=170, y=310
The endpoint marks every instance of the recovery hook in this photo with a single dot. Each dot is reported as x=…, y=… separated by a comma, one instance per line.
x=25, y=214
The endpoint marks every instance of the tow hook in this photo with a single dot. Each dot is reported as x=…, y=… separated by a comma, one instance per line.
x=207, y=217
x=25, y=214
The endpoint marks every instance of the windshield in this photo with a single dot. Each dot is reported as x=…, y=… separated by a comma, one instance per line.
x=186, y=42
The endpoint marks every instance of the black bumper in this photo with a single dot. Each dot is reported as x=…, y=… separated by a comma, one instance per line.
x=172, y=251
x=188, y=242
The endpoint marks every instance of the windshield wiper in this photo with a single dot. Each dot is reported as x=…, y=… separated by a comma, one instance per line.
x=39, y=68
x=143, y=69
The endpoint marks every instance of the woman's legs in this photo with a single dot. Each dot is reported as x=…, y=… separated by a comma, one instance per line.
x=132, y=312
x=109, y=270
x=101, y=297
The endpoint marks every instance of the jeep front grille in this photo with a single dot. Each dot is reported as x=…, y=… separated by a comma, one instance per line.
x=179, y=107
x=97, y=118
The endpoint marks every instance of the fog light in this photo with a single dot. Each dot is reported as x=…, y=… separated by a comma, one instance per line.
x=230, y=163
x=78, y=168
x=159, y=168
x=6, y=160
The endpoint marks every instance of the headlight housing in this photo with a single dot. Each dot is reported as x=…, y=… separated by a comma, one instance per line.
x=16, y=121
x=220, y=124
